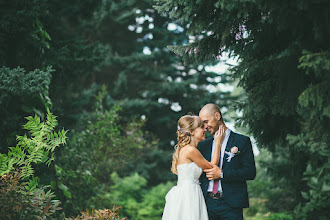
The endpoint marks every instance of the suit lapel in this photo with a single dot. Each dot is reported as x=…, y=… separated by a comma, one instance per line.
x=209, y=151
x=228, y=147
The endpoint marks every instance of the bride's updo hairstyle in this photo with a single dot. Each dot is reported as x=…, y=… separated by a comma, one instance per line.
x=186, y=124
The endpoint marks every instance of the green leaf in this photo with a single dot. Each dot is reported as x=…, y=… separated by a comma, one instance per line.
x=305, y=195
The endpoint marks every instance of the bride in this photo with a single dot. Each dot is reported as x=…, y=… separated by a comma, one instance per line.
x=185, y=200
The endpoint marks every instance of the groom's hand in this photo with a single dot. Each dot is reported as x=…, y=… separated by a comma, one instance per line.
x=213, y=173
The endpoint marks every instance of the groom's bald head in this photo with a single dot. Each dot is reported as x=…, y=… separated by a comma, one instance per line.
x=211, y=109
x=211, y=116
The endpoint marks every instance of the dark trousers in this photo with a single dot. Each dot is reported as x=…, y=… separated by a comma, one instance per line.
x=218, y=209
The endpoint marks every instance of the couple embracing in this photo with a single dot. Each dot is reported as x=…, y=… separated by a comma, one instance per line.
x=220, y=192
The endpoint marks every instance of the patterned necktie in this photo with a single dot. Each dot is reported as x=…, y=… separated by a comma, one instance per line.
x=215, y=186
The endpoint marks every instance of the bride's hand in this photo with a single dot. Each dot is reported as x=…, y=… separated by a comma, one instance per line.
x=219, y=135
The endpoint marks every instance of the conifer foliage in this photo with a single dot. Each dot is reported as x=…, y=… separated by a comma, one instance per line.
x=284, y=51
x=24, y=75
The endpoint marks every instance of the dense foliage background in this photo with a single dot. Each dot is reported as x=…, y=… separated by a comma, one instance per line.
x=284, y=64
x=105, y=70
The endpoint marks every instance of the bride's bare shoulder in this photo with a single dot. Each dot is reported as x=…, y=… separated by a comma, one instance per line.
x=190, y=150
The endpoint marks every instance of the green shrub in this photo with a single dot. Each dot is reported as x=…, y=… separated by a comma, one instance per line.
x=18, y=201
x=37, y=148
x=131, y=193
x=279, y=216
x=105, y=214
x=102, y=146
x=20, y=196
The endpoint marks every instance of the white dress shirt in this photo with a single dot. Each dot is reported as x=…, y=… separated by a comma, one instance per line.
x=223, y=148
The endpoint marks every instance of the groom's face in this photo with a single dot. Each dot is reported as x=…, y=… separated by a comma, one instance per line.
x=211, y=123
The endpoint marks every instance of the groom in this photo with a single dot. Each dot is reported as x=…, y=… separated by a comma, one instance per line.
x=224, y=186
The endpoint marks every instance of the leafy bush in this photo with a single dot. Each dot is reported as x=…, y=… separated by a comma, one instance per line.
x=103, y=145
x=38, y=148
x=279, y=216
x=19, y=201
x=132, y=194
x=153, y=202
x=20, y=197
x=105, y=214
x=21, y=91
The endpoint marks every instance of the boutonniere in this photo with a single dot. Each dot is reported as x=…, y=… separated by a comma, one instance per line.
x=232, y=153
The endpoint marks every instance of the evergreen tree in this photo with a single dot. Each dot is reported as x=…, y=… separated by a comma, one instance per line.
x=284, y=59
x=141, y=74
x=57, y=54
x=24, y=75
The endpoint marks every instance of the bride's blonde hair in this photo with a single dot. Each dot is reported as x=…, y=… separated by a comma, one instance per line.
x=186, y=124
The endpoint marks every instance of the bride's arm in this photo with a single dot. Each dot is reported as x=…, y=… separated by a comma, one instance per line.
x=218, y=139
x=194, y=155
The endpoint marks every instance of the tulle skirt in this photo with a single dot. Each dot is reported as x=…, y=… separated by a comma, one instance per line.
x=185, y=202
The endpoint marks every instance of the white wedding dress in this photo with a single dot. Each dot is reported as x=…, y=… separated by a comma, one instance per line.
x=185, y=201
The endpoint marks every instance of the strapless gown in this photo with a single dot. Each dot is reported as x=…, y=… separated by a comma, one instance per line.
x=185, y=201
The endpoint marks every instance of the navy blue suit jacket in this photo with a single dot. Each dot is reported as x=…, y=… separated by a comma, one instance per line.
x=235, y=173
